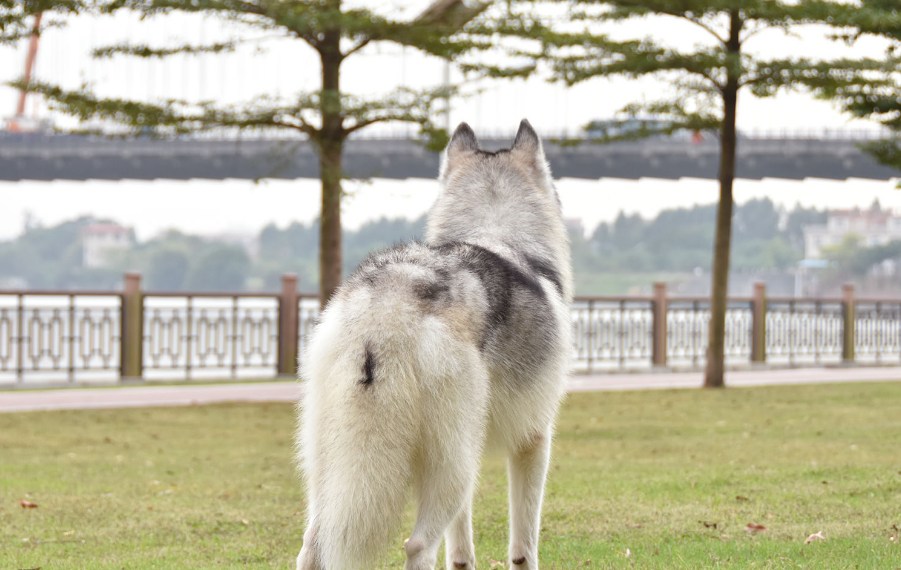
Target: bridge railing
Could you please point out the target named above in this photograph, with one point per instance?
(233, 135)
(66, 336)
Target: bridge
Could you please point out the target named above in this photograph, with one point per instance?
(71, 157)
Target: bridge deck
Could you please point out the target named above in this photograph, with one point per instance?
(68, 157)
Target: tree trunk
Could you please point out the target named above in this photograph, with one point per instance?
(713, 377)
(330, 222)
(331, 148)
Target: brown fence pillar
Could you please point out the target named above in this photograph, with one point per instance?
(659, 334)
(758, 323)
(287, 326)
(131, 347)
(849, 316)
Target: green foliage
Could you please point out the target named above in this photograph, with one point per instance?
(577, 49)
(800, 217)
(681, 240)
(677, 241)
(51, 258)
(167, 269)
(334, 32)
(852, 257)
(222, 268)
(878, 97)
(16, 16)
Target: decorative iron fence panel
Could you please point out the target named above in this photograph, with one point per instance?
(687, 330)
(307, 316)
(59, 336)
(803, 331)
(877, 332)
(74, 336)
(206, 336)
(612, 333)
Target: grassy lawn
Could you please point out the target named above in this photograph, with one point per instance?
(639, 480)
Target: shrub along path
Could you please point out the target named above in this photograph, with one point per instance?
(666, 479)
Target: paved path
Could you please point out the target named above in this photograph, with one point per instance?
(284, 391)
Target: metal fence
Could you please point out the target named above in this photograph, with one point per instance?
(63, 336)
(59, 335)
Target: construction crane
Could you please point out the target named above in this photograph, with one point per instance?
(19, 123)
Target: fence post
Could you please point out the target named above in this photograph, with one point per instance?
(131, 343)
(758, 323)
(659, 333)
(287, 326)
(849, 316)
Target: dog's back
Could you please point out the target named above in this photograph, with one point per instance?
(430, 348)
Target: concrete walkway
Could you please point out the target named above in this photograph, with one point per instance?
(285, 391)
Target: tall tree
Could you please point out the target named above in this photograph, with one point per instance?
(706, 80)
(327, 116)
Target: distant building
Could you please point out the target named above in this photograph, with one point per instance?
(102, 239)
(874, 226)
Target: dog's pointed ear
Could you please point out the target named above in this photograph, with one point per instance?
(527, 147)
(463, 139)
(526, 138)
(462, 142)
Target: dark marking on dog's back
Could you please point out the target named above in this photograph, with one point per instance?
(430, 291)
(500, 277)
(504, 282)
(368, 367)
(546, 270)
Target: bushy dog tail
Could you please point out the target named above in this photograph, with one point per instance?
(361, 429)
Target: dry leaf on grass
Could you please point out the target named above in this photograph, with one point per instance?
(815, 537)
(740, 498)
(494, 562)
(27, 504)
(754, 528)
(707, 524)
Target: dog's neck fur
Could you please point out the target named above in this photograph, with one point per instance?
(503, 201)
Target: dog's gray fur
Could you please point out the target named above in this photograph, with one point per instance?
(430, 350)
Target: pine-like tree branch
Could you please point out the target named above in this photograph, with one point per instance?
(145, 51)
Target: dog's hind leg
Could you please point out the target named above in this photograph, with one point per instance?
(308, 559)
(443, 494)
(459, 547)
(448, 467)
(527, 468)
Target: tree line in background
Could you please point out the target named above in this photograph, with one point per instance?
(53, 257)
(675, 244)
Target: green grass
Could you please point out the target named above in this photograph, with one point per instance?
(635, 477)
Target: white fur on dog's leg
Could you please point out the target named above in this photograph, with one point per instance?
(308, 559)
(527, 468)
(444, 490)
(459, 548)
(436, 511)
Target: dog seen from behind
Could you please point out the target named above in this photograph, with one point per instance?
(431, 351)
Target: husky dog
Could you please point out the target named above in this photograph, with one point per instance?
(428, 352)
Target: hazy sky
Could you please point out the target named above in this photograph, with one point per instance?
(280, 67)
